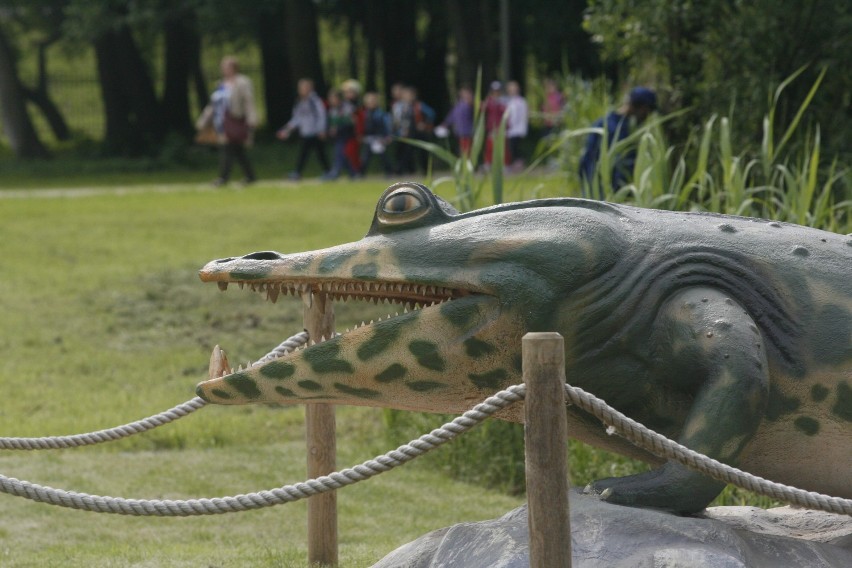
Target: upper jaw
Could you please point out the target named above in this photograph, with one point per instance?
(271, 272)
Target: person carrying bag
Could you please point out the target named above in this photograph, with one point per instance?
(232, 115)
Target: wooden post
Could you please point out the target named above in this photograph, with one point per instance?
(321, 437)
(545, 436)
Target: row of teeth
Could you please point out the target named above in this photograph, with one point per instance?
(376, 291)
(219, 366)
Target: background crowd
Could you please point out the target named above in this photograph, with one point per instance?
(360, 130)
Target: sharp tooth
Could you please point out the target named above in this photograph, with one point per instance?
(272, 294)
(218, 364)
(241, 285)
(222, 285)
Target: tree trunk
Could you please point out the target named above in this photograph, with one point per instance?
(278, 82)
(181, 37)
(16, 122)
(398, 39)
(433, 86)
(472, 27)
(302, 33)
(369, 23)
(134, 121)
(41, 98)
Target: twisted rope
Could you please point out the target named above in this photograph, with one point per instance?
(662, 447)
(269, 498)
(139, 426)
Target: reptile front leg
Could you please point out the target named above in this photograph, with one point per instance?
(707, 346)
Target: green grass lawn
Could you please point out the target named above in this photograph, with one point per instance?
(105, 321)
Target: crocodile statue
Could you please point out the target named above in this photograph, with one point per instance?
(730, 335)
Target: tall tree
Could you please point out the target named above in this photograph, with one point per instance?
(182, 54)
(135, 123)
(432, 82)
(302, 32)
(710, 68)
(474, 31)
(16, 122)
(278, 80)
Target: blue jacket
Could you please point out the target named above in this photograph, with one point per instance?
(617, 128)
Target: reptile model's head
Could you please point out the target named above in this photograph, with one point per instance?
(467, 287)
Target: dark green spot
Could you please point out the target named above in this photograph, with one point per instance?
(490, 380)
(843, 406)
(726, 228)
(807, 425)
(818, 393)
(382, 338)
(332, 261)
(323, 358)
(367, 271)
(237, 275)
(220, 394)
(779, 404)
(310, 385)
(285, 392)
(800, 251)
(425, 386)
(278, 370)
(244, 384)
(392, 373)
(458, 313)
(427, 354)
(356, 392)
(477, 348)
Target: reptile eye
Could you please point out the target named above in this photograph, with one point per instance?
(402, 201)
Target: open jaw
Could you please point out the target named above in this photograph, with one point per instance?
(390, 361)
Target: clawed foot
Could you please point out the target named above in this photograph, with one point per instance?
(671, 488)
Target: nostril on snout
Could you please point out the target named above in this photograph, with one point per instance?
(265, 255)
(224, 260)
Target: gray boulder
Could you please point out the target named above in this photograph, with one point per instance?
(607, 535)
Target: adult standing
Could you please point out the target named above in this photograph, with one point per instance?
(552, 107)
(518, 125)
(234, 117)
(311, 121)
(494, 106)
(640, 102)
(460, 120)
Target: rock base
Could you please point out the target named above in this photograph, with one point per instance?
(606, 535)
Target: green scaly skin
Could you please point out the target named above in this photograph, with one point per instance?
(731, 335)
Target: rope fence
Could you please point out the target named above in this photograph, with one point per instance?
(615, 422)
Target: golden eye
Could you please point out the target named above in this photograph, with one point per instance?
(402, 201)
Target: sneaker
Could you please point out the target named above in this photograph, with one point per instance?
(328, 176)
(295, 176)
(218, 182)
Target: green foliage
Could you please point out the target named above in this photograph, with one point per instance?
(715, 56)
